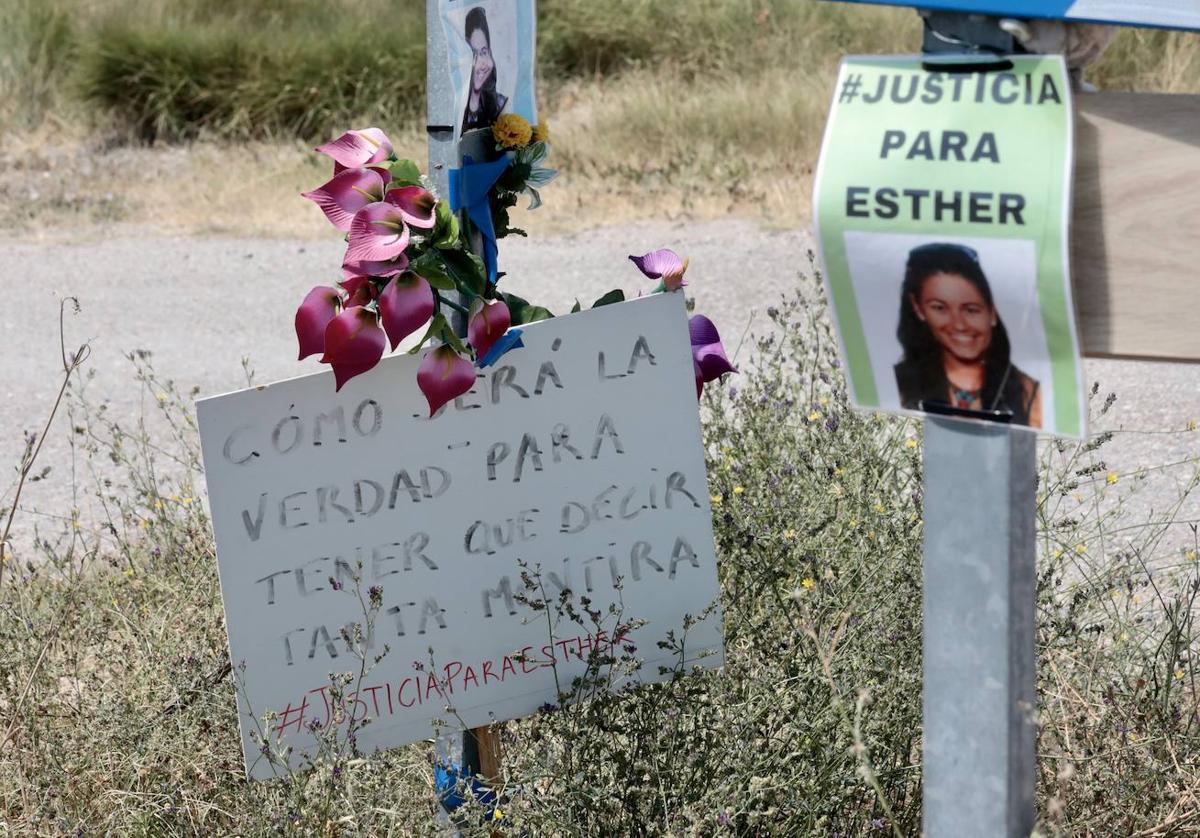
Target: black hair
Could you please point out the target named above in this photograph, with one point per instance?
(921, 374)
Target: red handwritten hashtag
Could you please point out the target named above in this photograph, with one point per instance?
(285, 717)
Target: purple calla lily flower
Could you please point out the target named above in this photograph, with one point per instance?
(489, 321)
(417, 205)
(320, 305)
(347, 192)
(665, 265)
(355, 149)
(404, 306)
(709, 360)
(377, 233)
(353, 344)
(443, 376)
(359, 291)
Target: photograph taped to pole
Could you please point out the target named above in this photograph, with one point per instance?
(555, 463)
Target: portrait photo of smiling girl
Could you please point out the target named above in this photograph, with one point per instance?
(954, 325)
(491, 52)
(956, 348)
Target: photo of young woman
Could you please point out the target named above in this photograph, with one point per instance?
(956, 349)
(484, 102)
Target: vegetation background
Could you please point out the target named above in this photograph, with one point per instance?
(116, 703)
(705, 107)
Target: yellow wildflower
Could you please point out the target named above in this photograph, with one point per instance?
(1112, 478)
(1191, 424)
(717, 498)
(808, 582)
(824, 401)
(910, 444)
(788, 535)
(158, 504)
(1179, 674)
(880, 508)
(541, 132)
(737, 490)
(1191, 555)
(1081, 548)
(1058, 552)
(512, 130)
(815, 416)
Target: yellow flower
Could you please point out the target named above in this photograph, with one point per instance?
(541, 132)
(824, 401)
(1112, 478)
(880, 508)
(788, 535)
(910, 444)
(1191, 555)
(1081, 549)
(808, 582)
(1179, 674)
(717, 498)
(815, 416)
(512, 130)
(1058, 552)
(1191, 424)
(737, 490)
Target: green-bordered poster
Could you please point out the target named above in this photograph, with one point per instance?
(941, 206)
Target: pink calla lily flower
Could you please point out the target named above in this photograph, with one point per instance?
(489, 321)
(353, 344)
(416, 204)
(320, 305)
(443, 376)
(355, 149)
(404, 306)
(665, 265)
(347, 192)
(709, 360)
(365, 267)
(377, 233)
(359, 291)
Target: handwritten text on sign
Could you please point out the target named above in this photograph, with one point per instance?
(579, 455)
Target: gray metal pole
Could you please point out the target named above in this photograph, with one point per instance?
(979, 621)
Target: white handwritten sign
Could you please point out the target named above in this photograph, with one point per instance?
(579, 456)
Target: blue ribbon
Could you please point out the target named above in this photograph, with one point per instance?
(470, 186)
(509, 340)
(447, 779)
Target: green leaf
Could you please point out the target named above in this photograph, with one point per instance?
(614, 296)
(452, 339)
(404, 173)
(446, 234)
(429, 265)
(576, 307)
(467, 270)
(532, 314)
(435, 327)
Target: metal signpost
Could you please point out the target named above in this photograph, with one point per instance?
(979, 668)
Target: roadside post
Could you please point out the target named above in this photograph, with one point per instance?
(481, 750)
(1137, 157)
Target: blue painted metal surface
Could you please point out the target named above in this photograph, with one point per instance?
(1167, 14)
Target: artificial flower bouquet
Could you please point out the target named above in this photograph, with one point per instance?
(407, 263)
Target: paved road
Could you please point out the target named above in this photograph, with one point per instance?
(201, 305)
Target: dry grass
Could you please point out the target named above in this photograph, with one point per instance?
(674, 130)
